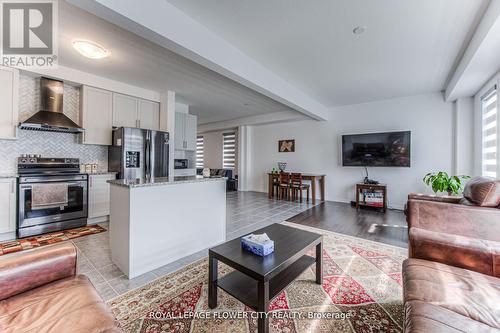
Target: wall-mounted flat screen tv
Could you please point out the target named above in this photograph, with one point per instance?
(390, 149)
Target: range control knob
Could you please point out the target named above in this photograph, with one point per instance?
(24, 160)
(32, 160)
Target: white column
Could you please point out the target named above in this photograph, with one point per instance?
(244, 157)
(167, 124)
(463, 137)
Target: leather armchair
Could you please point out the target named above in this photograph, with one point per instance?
(40, 292)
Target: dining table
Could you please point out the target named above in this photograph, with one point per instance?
(314, 178)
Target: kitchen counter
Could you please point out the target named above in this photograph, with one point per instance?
(163, 181)
(102, 173)
(154, 222)
(8, 175)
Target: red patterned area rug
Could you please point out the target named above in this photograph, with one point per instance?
(361, 292)
(47, 239)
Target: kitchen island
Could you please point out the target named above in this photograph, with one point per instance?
(154, 222)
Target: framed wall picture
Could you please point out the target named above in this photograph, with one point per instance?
(286, 146)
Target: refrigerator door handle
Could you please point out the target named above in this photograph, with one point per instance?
(148, 155)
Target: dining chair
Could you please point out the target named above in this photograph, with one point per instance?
(284, 185)
(275, 184)
(296, 186)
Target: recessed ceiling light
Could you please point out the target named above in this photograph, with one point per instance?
(359, 30)
(90, 49)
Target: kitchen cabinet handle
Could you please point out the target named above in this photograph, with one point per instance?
(13, 187)
(91, 182)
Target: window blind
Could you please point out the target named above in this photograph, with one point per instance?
(199, 151)
(489, 106)
(229, 150)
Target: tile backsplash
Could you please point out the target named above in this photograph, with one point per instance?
(48, 144)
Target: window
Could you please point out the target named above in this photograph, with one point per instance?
(229, 150)
(199, 151)
(489, 113)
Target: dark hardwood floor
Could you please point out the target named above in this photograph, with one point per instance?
(389, 228)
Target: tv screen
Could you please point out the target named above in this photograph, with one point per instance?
(391, 149)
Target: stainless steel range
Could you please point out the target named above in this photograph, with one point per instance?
(52, 195)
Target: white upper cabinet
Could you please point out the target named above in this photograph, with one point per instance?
(149, 115)
(96, 116)
(180, 127)
(185, 131)
(125, 111)
(9, 99)
(7, 205)
(190, 133)
(129, 111)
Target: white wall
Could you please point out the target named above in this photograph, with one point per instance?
(212, 150)
(464, 136)
(318, 145)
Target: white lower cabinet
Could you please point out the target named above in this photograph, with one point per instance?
(7, 205)
(99, 195)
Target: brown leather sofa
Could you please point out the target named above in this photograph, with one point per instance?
(40, 292)
(451, 280)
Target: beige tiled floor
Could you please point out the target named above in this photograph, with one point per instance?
(246, 212)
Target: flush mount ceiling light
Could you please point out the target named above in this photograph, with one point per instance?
(359, 30)
(90, 49)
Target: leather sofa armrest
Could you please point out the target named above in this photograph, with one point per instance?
(478, 255)
(26, 270)
(435, 198)
(470, 221)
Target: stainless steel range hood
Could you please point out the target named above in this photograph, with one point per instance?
(51, 117)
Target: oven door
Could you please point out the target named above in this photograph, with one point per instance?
(77, 201)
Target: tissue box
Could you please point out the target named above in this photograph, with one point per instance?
(260, 249)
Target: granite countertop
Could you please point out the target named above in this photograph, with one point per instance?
(162, 181)
(101, 173)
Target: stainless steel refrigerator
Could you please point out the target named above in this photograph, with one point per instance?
(138, 153)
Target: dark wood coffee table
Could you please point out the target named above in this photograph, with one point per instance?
(257, 280)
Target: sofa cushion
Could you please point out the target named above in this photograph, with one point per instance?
(67, 305)
(449, 298)
(483, 191)
(425, 317)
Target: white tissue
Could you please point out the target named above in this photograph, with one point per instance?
(259, 239)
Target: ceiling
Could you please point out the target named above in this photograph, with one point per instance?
(409, 47)
(136, 61)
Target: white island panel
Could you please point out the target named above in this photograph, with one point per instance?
(165, 223)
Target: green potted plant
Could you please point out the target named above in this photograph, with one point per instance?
(442, 182)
